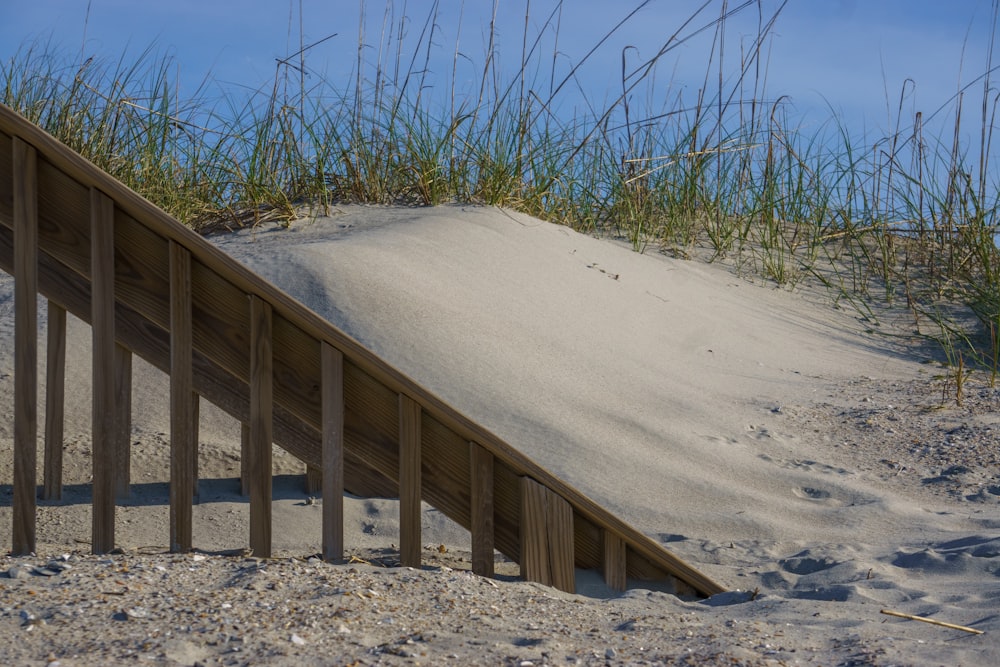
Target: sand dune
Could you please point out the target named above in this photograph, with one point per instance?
(760, 433)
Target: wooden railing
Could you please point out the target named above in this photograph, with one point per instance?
(150, 286)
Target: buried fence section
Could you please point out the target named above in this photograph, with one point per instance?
(288, 376)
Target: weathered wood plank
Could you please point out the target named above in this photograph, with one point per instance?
(481, 491)
(332, 475)
(534, 541)
(7, 181)
(296, 365)
(371, 416)
(142, 269)
(445, 470)
(562, 561)
(102, 280)
(614, 562)
(123, 421)
(507, 509)
(261, 406)
(183, 448)
(588, 542)
(25, 204)
(409, 481)
(220, 316)
(547, 537)
(64, 217)
(55, 401)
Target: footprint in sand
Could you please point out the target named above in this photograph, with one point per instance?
(817, 495)
(806, 464)
(805, 563)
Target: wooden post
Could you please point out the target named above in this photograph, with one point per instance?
(260, 426)
(546, 537)
(182, 409)
(102, 285)
(534, 542)
(332, 388)
(614, 561)
(24, 503)
(481, 475)
(123, 421)
(55, 393)
(409, 481)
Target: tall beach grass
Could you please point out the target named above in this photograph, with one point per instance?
(908, 220)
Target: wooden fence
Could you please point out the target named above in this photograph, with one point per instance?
(150, 286)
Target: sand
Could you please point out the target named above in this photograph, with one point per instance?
(799, 454)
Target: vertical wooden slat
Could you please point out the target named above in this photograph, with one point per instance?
(614, 561)
(244, 459)
(102, 274)
(55, 394)
(332, 387)
(534, 542)
(409, 481)
(25, 346)
(261, 393)
(195, 425)
(562, 559)
(123, 421)
(182, 431)
(313, 480)
(546, 537)
(481, 475)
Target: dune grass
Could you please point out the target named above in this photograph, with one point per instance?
(907, 221)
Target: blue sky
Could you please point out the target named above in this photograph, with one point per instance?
(848, 54)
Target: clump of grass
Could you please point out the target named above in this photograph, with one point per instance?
(906, 219)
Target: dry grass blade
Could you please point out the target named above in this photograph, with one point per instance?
(907, 216)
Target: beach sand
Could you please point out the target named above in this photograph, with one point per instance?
(809, 459)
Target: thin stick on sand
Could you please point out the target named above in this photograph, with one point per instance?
(932, 621)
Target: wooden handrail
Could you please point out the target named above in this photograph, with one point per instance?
(141, 278)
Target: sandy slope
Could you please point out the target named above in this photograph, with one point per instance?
(759, 433)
